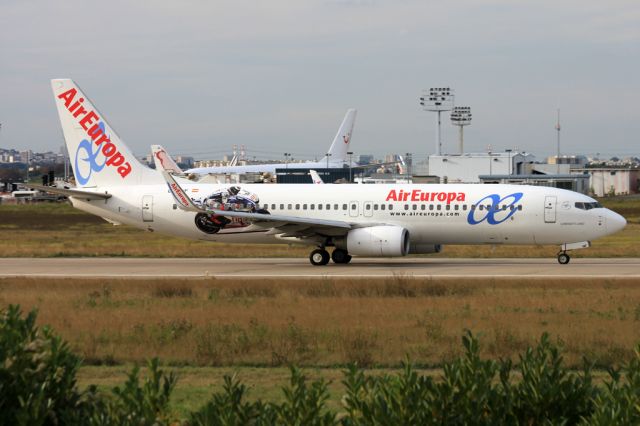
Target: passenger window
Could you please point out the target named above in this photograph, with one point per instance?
(335, 207)
(312, 206)
(273, 206)
(281, 206)
(439, 207)
(415, 207)
(520, 207)
(297, 206)
(464, 207)
(512, 207)
(447, 207)
(504, 207)
(473, 207)
(319, 206)
(480, 207)
(430, 206)
(354, 206)
(375, 207)
(406, 206)
(367, 206)
(304, 207)
(382, 206)
(328, 206)
(344, 207)
(456, 207)
(390, 206)
(423, 207)
(289, 206)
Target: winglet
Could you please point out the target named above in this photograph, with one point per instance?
(315, 177)
(163, 160)
(181, 197)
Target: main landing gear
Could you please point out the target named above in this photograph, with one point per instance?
(320, 257)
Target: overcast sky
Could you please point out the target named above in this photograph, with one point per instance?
(278, 76)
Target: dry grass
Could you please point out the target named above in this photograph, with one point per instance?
(49, 230)
(327, 322)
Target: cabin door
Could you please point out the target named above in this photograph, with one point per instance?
(147, 208)
(550, 209)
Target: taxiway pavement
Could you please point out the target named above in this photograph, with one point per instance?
(285, 267)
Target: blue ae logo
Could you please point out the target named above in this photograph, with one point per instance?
(497, 211)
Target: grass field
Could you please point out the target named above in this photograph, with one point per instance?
(327, 323)
(203, 329)
(50, 230)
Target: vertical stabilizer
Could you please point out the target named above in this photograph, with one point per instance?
(97, 154)
(340, 145)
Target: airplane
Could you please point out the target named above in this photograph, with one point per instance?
(337, 155)
(354, 220)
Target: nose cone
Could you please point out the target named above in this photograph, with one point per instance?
(615, 222)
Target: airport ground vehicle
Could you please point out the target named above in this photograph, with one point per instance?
(361, 220)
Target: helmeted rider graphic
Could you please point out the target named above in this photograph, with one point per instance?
(232, 198)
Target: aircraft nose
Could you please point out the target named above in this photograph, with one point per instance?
(615, 222)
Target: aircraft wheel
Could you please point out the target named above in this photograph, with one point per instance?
(340, 256)
(319, 257)
(563, 258)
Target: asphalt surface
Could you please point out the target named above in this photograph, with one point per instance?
(279, 267)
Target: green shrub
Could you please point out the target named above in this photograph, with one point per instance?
(37, 373)
(38, 387)
(137, 405)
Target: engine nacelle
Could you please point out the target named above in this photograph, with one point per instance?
(420, 248)
(378, 241)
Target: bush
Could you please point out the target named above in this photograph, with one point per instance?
(37, 373)
(38, 387)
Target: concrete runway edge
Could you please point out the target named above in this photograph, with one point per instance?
(287, 268)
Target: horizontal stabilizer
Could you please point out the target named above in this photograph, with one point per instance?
(69, 192)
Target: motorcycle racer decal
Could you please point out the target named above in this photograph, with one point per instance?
(232, 198)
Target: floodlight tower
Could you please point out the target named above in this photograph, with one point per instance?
(558, 152)
(437, 99)
(461, 116)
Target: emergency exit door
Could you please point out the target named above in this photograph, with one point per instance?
(147, 208)
(550, 209)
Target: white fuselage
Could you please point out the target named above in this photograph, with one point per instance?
(433, 214)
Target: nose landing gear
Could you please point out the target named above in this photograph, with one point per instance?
(563, 258)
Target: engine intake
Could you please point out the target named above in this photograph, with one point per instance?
(378, 241)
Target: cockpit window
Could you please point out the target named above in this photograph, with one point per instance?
(588, 206)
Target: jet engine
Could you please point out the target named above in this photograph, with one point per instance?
(420, 248)
(377, 241)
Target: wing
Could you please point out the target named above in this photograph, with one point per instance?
(70, 192)
(283, 225)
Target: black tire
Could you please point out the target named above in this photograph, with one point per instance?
(205, 224)
(319, 257)
(340, 256)
(563, 258)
